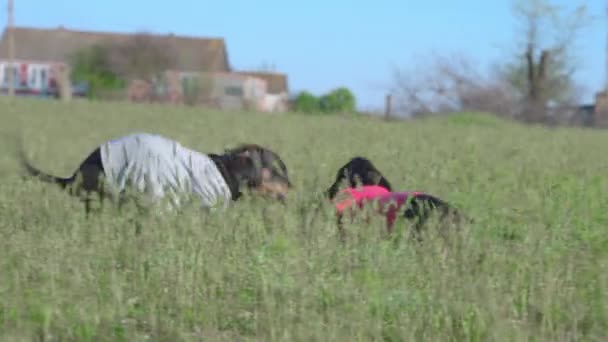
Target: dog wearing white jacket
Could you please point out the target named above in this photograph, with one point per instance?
(161, 167)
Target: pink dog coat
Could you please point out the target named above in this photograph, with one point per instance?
(389, 203)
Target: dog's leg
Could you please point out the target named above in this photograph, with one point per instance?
(92, 173)
(86, 177)
(90, 183)
(412, 213)
(341, 230)
(101, 194)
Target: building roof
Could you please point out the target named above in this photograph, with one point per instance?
(58, 45)
(277, 83)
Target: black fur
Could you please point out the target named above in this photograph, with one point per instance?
(90, 172)
(235, 171)
(422, 206)
(358, 169)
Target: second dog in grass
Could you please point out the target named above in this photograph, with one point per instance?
(359, 182)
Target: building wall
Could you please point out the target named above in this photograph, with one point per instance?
(236, 92)
(229, 91)
(275, 103)
(34, 77)
(254, 89)
(31, 77)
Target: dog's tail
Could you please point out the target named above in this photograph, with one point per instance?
(423, 203)
(35, 172)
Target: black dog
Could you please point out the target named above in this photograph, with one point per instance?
(356, 171)
(361, 171)
(232, 171)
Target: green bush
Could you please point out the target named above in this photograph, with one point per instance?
(339, 100)
(306, 102)
(90, 66)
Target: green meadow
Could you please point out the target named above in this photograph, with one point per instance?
(533, 265)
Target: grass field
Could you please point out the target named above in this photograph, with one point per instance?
(533, 266)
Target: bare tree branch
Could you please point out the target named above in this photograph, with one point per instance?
(450, 84)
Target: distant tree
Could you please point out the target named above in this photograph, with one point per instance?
(338, 100)
(90, 65)
(544, 66)
(305, 102)
(451, 83)
(540, 73)
(142, 56)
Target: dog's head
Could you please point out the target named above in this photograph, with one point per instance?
(358, 170)
(259, 169)
(265, 156)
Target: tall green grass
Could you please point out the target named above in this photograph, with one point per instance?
(533, 266)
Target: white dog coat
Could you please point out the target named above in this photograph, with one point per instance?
(159, 166)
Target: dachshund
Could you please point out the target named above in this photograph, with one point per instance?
(156, 164)
(365, 183)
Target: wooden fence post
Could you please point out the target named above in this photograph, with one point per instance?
(387, 107)
(65, 84)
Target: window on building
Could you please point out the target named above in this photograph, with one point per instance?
(233, 91)
(33, 74)
(23, 77)
(43, 81)
(8, 69)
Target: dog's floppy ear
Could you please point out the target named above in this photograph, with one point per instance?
(242, 161)
(272, 158)
(243, 152)
(385, 184)
(256, 159)
(264, 160)
(341, 175)
(268, 158)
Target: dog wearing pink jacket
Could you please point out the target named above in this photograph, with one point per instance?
(363, 188)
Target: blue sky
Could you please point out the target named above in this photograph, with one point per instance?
(325, 44)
